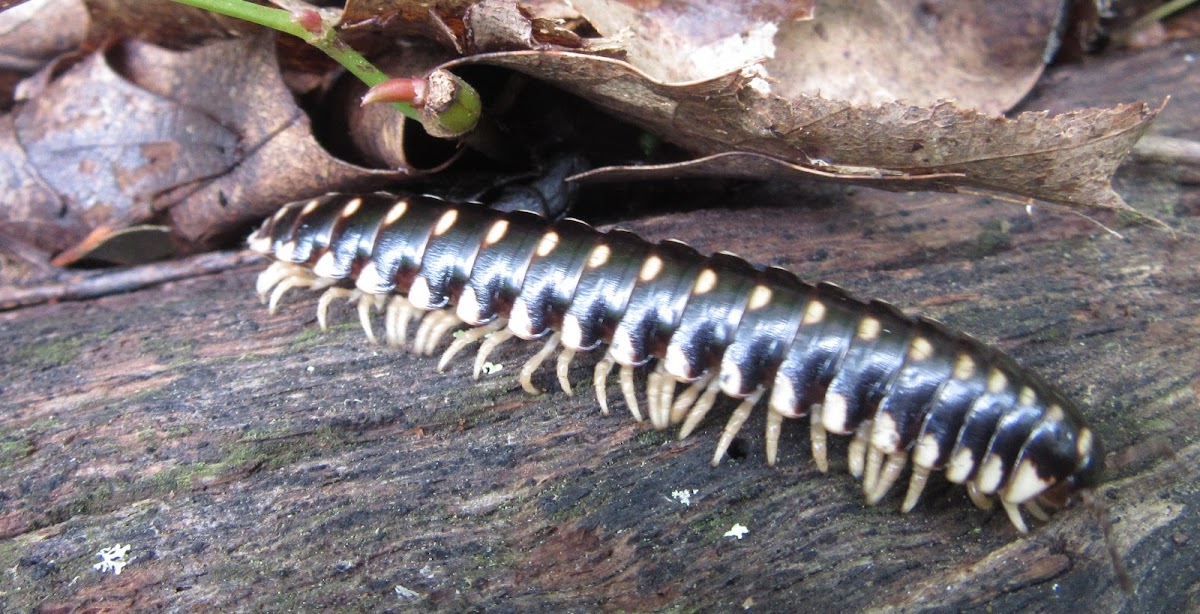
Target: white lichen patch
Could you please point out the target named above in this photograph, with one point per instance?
(683, 496)
(739, 531)
(112, 559)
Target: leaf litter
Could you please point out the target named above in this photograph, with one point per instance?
(893, 94)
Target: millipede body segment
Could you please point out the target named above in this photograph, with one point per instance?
(907, 390)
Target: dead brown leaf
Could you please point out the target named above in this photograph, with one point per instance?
(983, 54)
(26, 44)
(1066, 159)
(93, 149)
(98, 148)
(466, 26)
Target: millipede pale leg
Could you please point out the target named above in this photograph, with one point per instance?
(818, 437)
(1036, 510)
(323, 303)
(1014, 516)
(916, 485)
(774, 428)
(439, 331)
(630, 391)
(871, 473)
(536, 361)
(269, 278)
(467, 338)
(687, 398)
(857, 453)
(600, 381)
(887, 478)
(399, 312)
(563, 370)
(653, 384)
(700, 409)
(489, 344)
(735, 424)
(666, 398)
(365, 303)
(425, 330)
(660, 390)
(294, 281)
(977, 497)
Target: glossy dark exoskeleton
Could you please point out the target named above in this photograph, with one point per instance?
(907, 390)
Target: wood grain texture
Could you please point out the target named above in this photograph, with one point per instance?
(253, 463)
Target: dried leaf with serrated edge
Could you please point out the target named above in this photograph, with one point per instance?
(1066, 159)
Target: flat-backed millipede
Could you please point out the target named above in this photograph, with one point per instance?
(905, 388)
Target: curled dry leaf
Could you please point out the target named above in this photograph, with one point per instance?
(981, 53)
(26, 44)
(466, 26)
(1066, 159)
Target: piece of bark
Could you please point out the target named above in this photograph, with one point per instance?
(252, 463)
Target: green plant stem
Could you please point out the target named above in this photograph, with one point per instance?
(1160, 13)
(326, 40)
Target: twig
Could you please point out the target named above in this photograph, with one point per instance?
(103, 283)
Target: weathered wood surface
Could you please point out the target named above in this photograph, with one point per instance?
(254, 464)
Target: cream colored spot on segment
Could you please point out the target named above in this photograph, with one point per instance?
(286, 251)
(467, 308)
(990, 474)
(351, 207)
(260, 243)
(1025, 484)
(279, 214)
(496, 232)
(599, 256)
(418, 294)
(1027, 396)
(676, 362)
(325, 265)
(833, 413)
(705, 282)
(759, 297)
(960, 466)
(547, 244)
(868, 329)
(920, 349)
(964, 367)
(1054, 413)
(1083, 447)
(369, 280)
(731, 380)
(650, 268)
(814, 312)
(396, 212)
(926, 452)
(519, 320)
(783, 397)
(997, 381)
(621, 348)
(572, 332)
(310, 206)
(884, 435)
(446, 222)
